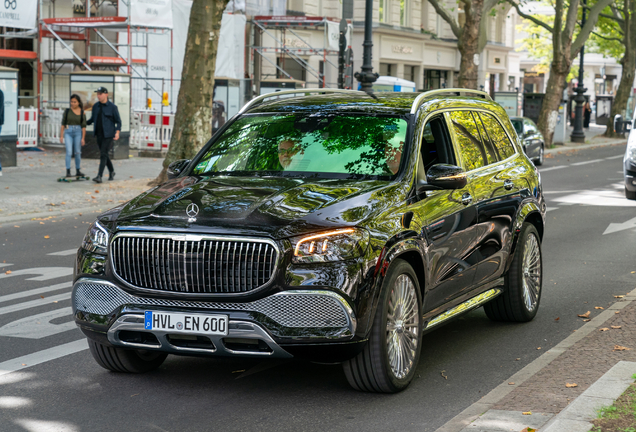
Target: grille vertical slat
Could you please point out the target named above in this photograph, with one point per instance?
(193, 266)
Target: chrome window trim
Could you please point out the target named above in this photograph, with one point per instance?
(194, 238)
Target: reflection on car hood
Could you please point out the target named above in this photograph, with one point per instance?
(278, 207)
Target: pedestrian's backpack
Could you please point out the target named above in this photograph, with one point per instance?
(65, 118)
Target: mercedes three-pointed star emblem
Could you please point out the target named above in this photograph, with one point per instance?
(192, 211)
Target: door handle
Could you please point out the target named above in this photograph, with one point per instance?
(467, 198)
(508, 184)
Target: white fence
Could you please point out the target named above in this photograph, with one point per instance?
(51, 125)
(151, 131)
(27, 127)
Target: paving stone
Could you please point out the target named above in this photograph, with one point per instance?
(563, 425)
(505, 421)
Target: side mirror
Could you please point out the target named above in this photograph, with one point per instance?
(443, 176)
(176, 167)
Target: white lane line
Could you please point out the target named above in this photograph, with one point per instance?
(39, 326)
(36, 291)
(587, 162)
(64, 252)
(34, 303)
(7, 264)
(551, 208)
(561, 192)
(614, 157)
(553, 168)
(45, 273)
(43, 356)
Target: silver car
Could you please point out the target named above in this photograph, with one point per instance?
(629, 161)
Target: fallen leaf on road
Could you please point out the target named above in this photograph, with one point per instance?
(96, 191)
(46, 237)
(511, 383)
(8, 272)
(41, 296)
(617, 312)
(517, 359)
(529, 429)
(538, 348)
(527, 413)
(16, 226)
(23, 364)
(136, 394)
(598, 307)
(585, 315)
(604, 329)
(615, 327)
(568, 385)
(41, 223)
(442, 372)
(557, 318)
(620, 348)
(93, 197)
(619, 296)
(586, 320)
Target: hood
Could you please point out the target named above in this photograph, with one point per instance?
(277, 207)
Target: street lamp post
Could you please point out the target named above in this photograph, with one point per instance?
(577, 134)
(367, 77)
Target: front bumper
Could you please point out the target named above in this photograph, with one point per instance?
(259, 328)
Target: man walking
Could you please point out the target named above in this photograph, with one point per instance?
(105, 116)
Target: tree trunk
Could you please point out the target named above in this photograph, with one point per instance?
(193, 120)
(629, 70)
(554, 92)
(468, 45)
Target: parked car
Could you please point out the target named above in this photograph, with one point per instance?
(336, 227)
(531, 137)
(629, 161)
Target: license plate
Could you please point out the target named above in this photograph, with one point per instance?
(186, 323)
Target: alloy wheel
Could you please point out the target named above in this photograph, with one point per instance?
(402, 326)
(531, 272)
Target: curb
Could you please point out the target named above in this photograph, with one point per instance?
(461, 421)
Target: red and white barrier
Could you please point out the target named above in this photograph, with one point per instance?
(151, 131)
(27, 127)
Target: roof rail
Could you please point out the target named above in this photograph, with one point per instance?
(451, 92)
(261, 98)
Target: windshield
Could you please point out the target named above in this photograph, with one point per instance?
(518, 125)
(340, 146)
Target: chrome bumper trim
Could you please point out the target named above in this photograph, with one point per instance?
(236, 329)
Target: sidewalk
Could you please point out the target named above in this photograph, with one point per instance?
(31, 190)
(593, 138)
(538, 396)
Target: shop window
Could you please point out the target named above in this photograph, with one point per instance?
(409, 73)
(387, 69)
(435, 79)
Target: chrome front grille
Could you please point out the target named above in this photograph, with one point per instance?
(193, 263)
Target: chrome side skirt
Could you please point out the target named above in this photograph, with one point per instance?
(468, 305)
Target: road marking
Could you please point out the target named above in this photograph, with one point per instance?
(551, 208)
(587, 162)
(605, 198)
(614, 157)
(45, 273)
(553, 168)
(561, 192)
(5, 265)
(43, 356)
(39, 326)
(36, 291)
(34, 303)
(616, 227)
(31, 425)
(64, 252)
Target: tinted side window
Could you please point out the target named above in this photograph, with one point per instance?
(498, 136)
(491, 150)
(469, 142)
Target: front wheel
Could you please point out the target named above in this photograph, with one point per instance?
(388, 361)
(539, 160)
(522, 292)
(122, 360)
(630, 195)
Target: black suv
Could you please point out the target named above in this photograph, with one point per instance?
(335, 227)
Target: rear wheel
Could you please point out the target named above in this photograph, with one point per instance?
(630, 195)
(123, 360)
(522, 292)
(388, 361)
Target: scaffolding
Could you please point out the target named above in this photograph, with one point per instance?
(277, 28)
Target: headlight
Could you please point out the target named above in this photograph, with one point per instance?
(96, 239)
(336, 245)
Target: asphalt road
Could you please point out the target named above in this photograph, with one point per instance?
(462, 361)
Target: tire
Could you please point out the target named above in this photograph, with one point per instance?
(522, 288)
(126, 361)
(630, 195)
(539, 161)
(376, 368)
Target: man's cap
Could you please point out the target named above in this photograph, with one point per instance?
(101, 90)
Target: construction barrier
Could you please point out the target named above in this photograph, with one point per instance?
(51, 125)
(153, 132)
(27, 127)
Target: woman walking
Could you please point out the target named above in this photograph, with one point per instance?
(587, 113)
(73, 134)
